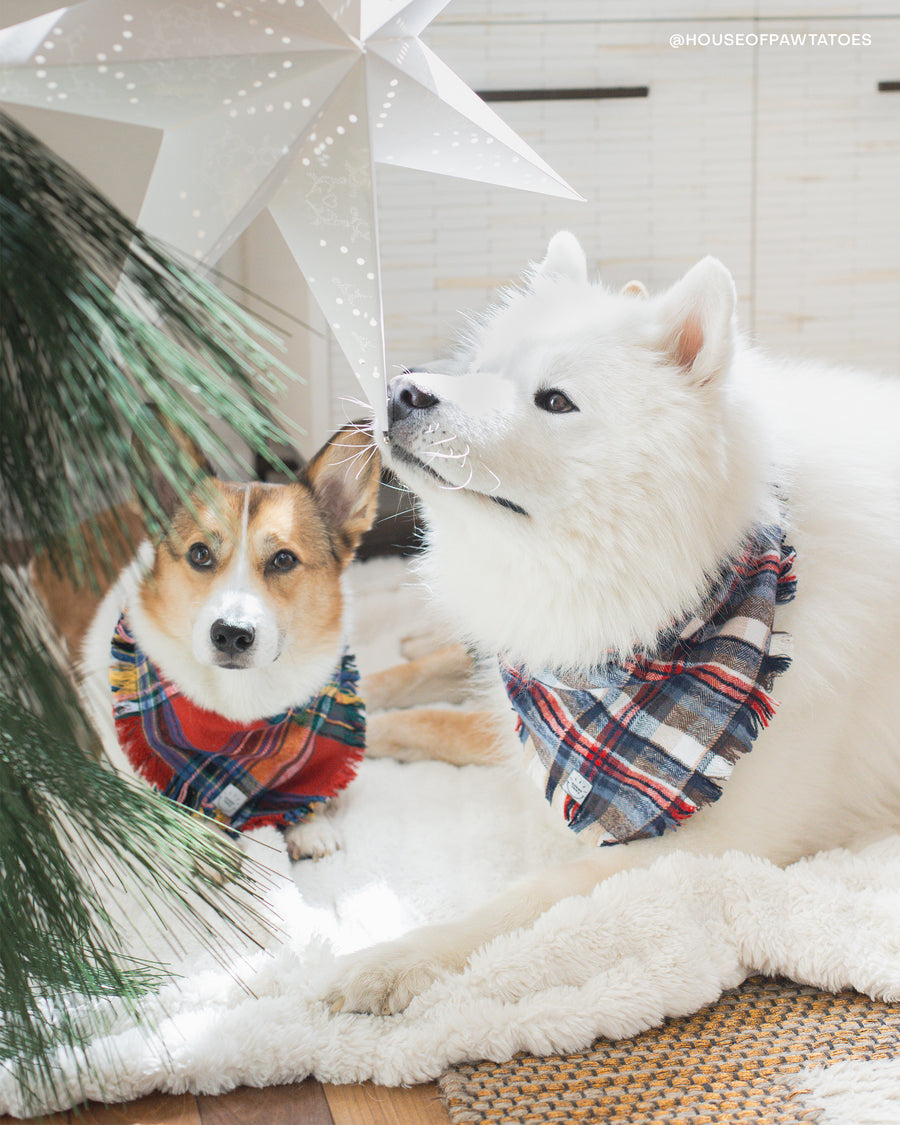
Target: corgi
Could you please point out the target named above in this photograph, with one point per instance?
(215, 667)
(680, 554)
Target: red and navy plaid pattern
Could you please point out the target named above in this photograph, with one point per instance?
(636, 746)
(273, 771)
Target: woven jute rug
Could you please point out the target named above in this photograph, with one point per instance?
(737, 1060)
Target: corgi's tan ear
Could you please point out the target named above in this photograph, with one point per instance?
(697, 321)
(344, 477)
(564, 258)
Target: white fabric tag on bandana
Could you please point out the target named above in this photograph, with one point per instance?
(577, 786)
(230, 800)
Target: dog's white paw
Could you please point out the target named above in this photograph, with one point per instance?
(312, 839)
(382, 980)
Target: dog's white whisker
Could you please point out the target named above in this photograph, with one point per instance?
(358, 451)
(357, 426)
(393, 487)
(370, 453)
(494, 487)
(445, 456)
(359, 463)
(459, 487)
(350, 460)
(350, 399)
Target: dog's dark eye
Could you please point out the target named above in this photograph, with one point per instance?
(554, 402)
(284, 560)
(200, 556)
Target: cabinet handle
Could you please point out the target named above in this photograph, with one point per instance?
(889, 87)
(575, 93)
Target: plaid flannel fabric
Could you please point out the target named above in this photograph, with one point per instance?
(273, 771)
(635, 747)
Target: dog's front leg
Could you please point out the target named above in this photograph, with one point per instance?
(461, 738)
(384, 978)
(443, 676)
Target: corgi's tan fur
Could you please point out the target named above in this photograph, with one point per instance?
(242, 603)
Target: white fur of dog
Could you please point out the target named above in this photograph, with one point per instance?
(561, 528)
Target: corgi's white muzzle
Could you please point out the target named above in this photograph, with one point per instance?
(236, 629)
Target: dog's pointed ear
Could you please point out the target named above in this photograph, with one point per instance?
(564, 259)
(697, 321)
(344, 477)
(635, 289)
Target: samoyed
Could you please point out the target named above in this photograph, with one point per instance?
(685, 554)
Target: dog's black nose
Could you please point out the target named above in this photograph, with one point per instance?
(234, 640)
(404, 397)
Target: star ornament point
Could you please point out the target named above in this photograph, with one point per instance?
(285, 104)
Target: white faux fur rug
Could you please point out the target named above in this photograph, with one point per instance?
(424, 841)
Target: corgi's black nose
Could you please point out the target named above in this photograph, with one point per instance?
(234, 640)
(404, 397)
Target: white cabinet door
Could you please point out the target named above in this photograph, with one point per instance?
(827, 273)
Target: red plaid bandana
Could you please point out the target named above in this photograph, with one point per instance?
(273, 771)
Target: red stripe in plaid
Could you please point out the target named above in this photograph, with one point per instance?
(560, 724)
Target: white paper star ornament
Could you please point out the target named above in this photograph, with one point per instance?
(278, 103)
(325, 210)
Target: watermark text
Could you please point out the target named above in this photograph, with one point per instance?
(807, 39)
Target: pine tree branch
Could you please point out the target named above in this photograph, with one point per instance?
(96, 322)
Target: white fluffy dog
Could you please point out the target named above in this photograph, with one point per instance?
(593, 469)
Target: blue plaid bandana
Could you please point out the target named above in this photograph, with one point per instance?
(634, 747)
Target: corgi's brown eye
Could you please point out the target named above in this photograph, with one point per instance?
(284, 560)
(555, 402)
(200, 556)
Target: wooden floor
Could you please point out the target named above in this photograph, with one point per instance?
(307, 1103)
